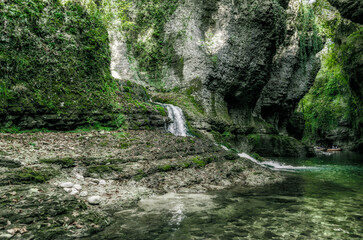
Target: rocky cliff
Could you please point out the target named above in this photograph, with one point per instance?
(350, 9)
(246, 64)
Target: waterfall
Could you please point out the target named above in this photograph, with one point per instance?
(178, 126)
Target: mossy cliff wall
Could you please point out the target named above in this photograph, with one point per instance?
(333, 106)
(54, 65)
(246, 64)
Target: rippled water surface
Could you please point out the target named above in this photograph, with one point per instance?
(323, 202)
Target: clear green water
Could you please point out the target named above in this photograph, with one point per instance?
(325, 202)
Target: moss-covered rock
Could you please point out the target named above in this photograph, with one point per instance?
(64, 162)
(46, 213)
(54, 65)
(27, 176)
(333, 107)
(9, 163)
(268, 145)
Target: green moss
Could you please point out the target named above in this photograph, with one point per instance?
(254, 138)
(186, 165)
(331, 100)
(103, 169)
(64, 162)
(257, 157)
(310, 41)
(54, 59)
(29, 176)
(165, 168)
(198, 161)
(147, 40)
(161, 110)
(231, 156)
(140, 175)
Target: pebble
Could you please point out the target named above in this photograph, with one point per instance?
(102, 182)
(74, 191)
(94, 200)
(93, 180)
(66, 185)
(79, 177)
(68, 190)
(77, 186)
(83, 194)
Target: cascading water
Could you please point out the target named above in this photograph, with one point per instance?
(178, 126)
(275, 165)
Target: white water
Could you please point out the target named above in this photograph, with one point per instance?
(275, 165)
(178, 126)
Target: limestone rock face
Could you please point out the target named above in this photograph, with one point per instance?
(228, 55)
(290, 79)
(239, 60)
(350, 9)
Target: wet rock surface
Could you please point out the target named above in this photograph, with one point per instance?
(67, 181)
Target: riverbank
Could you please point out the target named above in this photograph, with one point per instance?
(62, 185)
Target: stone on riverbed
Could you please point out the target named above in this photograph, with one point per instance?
(94, 200)
(66, 185)
(74, 191)
(83, 194)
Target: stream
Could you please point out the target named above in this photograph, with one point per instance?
(323, 200)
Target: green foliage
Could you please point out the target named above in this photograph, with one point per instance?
(146, 40)
(310, 41)
(119, 121)
(327, 20)
(53, 58)
(330, 100)
(198, 161)
(161, 110)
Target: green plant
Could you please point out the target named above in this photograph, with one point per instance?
(146, 40)
(310, 41)
(165, 168)
(330, 100)
(198, 161)
(119, 121)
